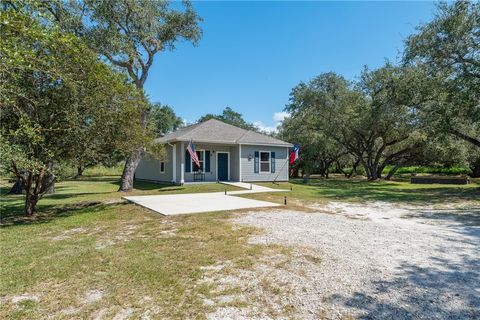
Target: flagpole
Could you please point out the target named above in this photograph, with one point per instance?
(288, 161)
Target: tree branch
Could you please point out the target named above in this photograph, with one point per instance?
(461, 135)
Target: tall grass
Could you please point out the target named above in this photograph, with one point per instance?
(432, 170)
(105, 171)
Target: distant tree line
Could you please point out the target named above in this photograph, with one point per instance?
(232, 117)
(425, 110)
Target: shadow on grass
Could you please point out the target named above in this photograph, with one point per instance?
(12, 206)
(387, 191)
(48, 213)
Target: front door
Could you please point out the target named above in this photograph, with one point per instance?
(222, 169)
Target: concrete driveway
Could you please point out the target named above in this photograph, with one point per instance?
(174, 204)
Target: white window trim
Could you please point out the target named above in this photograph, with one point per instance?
(204, 161)
(164, 164)
(216, 164)
(260, 162)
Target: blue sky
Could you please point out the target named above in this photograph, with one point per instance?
(253, 53)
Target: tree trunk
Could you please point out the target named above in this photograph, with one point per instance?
(340, 169)
(475, 167)
(392, 171)
(18, 186)
(322, 169)
(306, 176)
(48, 186)
(126, 182)
(79, 172)
(30, 204)
(372, 171)
(354, 169)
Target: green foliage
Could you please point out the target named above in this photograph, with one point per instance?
(432, 170)
(318, 150)
(128, 34)
(115, 170)
(60, 102)
(448, 48)
(163, 120)
(231, 117)
(373, 119)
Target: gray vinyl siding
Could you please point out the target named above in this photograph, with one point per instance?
(149, 167)
(214, 149)
(234, 163)
(281, 164)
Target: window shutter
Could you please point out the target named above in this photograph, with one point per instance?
(256, 162)
(207, 160)
(187, 161)
(272, 164)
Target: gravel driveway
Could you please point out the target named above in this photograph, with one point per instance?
(375, 260)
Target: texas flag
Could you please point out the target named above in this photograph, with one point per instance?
(294, 153)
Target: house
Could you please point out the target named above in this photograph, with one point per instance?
(226, 153)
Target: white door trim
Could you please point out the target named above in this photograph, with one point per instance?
(216, 165)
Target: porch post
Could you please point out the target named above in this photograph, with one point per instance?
(288, 164)
(182, 164)
(174, 159)
(240, 163)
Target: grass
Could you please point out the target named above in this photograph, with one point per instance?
(87, 254)
(102, 257)
(431, 170)
(71, 194)
(340, 189)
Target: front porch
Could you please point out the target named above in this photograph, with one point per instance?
(218, 162)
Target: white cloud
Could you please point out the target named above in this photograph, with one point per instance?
(279, 116)
(260, 125)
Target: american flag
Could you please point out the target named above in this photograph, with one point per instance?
(193, 154)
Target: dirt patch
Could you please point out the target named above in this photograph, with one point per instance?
(108, 239)
(93, 296)
(25, 297)
(69, 233)
(123, 314)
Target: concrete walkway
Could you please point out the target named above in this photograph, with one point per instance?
(203, 202)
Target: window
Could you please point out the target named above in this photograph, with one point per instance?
(201, 158)
(162, 166)
(264, 161)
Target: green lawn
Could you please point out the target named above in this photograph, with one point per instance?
(340, 189)
(89, 190)
(87, 253)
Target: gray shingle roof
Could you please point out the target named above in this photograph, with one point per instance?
(215, 131)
